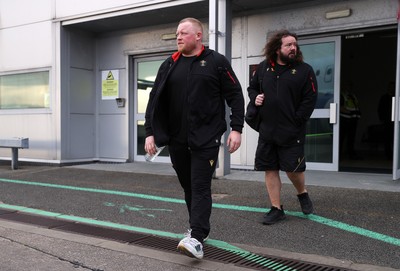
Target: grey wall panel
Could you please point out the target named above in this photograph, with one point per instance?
(82, 95)
(113, 137)
(82, 137)
(82, 48)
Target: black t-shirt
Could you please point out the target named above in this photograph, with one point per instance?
(177, 88)
(280, 68)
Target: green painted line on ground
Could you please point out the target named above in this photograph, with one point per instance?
(315, 218)
(94, 190)
(354, 229)
(216, 243)
(86, 220)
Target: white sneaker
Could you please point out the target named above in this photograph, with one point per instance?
(188, 233)
(191, 247)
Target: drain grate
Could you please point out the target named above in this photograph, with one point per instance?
(36, 220)
(106, 233)
(241, 259)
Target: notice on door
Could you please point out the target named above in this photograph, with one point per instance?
(109, 84)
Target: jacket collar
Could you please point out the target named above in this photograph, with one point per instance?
(176, 55)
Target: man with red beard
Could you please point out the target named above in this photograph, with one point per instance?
(285, 93)
(186, 111)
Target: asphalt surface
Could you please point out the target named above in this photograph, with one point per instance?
(353, 228)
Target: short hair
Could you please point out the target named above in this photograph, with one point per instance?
(193, 21)
(275, 43)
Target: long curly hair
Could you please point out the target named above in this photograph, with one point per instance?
(275, 42)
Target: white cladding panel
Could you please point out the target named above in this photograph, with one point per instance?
(26, 47)
(38, 127)
(65, 8)
(21, 12)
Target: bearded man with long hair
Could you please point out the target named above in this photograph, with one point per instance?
(285, 92)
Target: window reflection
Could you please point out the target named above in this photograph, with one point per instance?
(146, 76)
(321, 57)
(319, 140)
(25, 90)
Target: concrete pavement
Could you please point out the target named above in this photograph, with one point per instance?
(26, 247)
(29, 247)
(367, 181)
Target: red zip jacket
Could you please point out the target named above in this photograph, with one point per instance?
(211, 82)
(289, 100)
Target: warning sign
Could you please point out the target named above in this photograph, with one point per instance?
(110, 76)
(109, 84)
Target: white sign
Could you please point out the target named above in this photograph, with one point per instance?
(109, 84)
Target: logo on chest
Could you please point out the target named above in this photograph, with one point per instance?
(203, 63)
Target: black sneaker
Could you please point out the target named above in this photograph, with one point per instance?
(305, 203)
(273, 216)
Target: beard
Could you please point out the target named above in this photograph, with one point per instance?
(288, 59)
(186, 48)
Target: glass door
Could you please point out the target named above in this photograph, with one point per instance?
(322, 139)
(145, 72)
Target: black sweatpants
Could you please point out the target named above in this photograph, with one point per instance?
(195, 169)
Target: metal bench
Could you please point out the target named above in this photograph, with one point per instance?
(14, 143)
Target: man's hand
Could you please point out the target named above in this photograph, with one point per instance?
(150, 146)
(259, 99)
(234, 141)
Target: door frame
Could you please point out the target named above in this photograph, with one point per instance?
(134, 115)
(331, 113)
(396, 145)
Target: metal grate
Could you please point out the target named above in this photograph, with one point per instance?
(243, 259)
(5, 211)
(106, 233)
(36, 220)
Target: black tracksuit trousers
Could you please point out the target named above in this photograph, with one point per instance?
(195, 169)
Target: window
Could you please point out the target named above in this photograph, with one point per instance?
(24, 90)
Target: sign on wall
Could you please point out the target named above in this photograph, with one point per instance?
(109, 84)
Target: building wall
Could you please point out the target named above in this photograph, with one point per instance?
(80, 125)
(77, 8)
(27, 44)
(20, 12)
(79, 133)
(113, 122)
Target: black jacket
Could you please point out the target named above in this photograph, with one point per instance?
(289, 100)
(211, 82)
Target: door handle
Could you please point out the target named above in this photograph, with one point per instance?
(332, 113)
